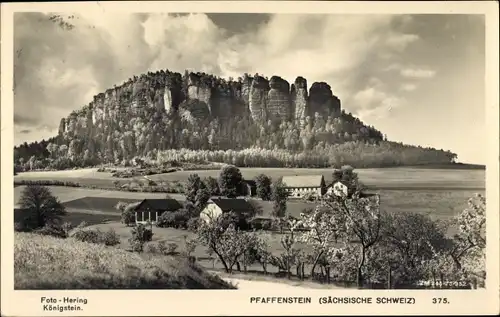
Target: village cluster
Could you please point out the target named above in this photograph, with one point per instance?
(298, 187)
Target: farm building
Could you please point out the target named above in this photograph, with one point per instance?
(151, 209)
(339, 188)
(305, 185)
(218, 206)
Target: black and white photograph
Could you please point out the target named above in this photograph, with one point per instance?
(249, 151)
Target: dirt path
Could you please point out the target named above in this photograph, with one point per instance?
(242, 282)
(261, 285)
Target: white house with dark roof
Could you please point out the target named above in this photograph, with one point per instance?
(301, 185)
(338, 188)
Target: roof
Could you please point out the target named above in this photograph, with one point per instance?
(340, 181)
(161, 204)
(229, 204)
(303, 181)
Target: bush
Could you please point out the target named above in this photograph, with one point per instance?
(109, 238)
(193, 224)
(165, 220)
(89, 236)
(174, 187)
(162, 247)
(151, 248)
(177, 219)
(128, 216)
(52, 230)
(20, 227)
(45, 183)
(67, 227)
(140, 235)
(82, 224)
(136, 246)
(190, 245)
(261, 224)
(171, 248)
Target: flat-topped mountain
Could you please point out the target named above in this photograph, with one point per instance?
(166, 110)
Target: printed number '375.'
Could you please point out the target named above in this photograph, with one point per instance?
(440, 300)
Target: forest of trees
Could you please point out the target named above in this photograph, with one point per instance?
(112, 130)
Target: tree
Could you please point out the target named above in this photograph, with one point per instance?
(410, 240)
(41, 206)
(336, 175)
(468, 251)
(279, 197)
(325, 227)
(227, 243)
(363, 221)
(288, 258)
(212, 186)
(230, 181)
(263, 253)
(192, 186)
(202, 197)
(140, 235)
(263, 183)
(127, 212)
(347, 176)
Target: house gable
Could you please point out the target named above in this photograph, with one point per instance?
(210, 212)
(339, 188)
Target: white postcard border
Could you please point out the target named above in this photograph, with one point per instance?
(218, 302)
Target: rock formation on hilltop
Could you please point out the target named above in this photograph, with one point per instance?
(299, 98)
(163, 110)
(152, 114)
(278, 107)
(322, 101)
(198, 97)
(257, 98)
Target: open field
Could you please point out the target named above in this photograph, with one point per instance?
(66, 194)
(441, 204)
(42, 262)
(394, 178)
(381, 178)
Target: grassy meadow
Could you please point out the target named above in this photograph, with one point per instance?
(381, 178)
(43, 262)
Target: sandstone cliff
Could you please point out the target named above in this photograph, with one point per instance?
(199, 98)
(299, 97)
(278, 106)
(257, 99)
(322, 101)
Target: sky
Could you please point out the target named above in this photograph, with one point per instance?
(417, 78)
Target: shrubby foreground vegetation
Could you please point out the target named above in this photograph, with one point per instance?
(349, 241)
(44, 262)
